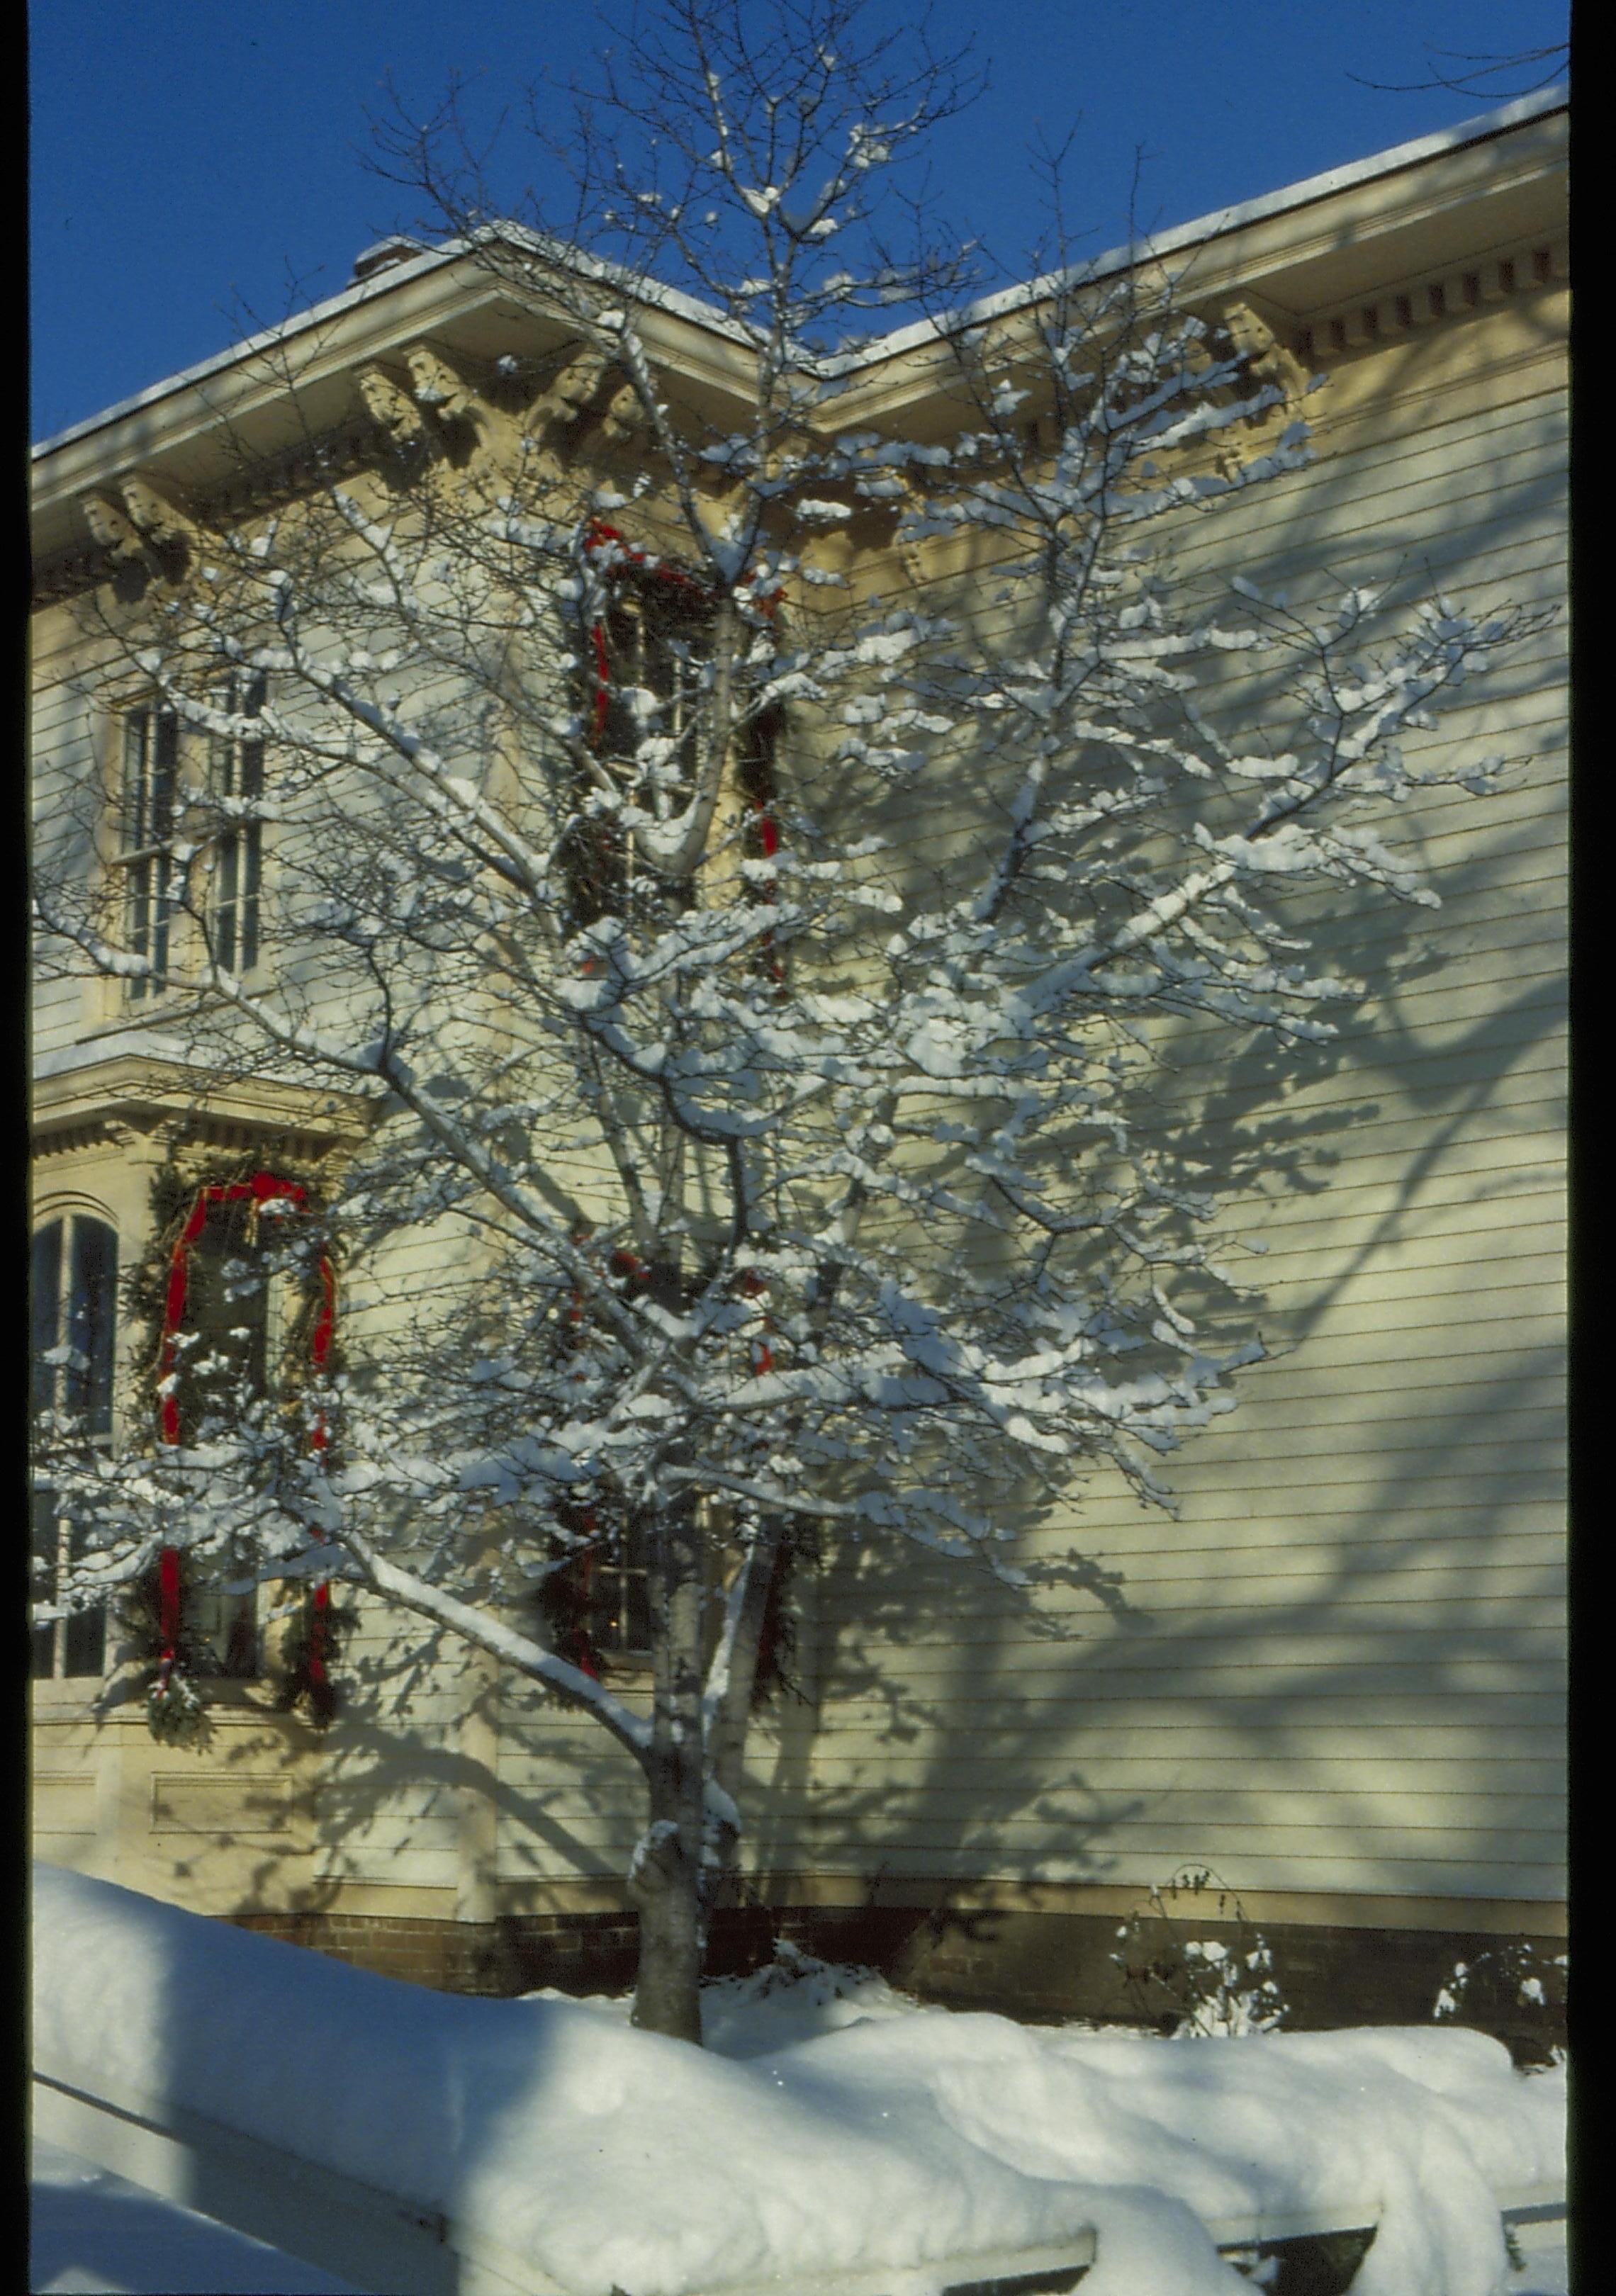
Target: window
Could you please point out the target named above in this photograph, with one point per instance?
(237, 778)
(74, 1284)
(150, 783)
(652, 645)
(649, 652)
(161, 788)
(596, 1605)
(617, 1601)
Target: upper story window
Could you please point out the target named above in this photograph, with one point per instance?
(74, 1318)
(236, 776)
(648, 653)
(205, 790)
(650, 647)
(150, 807)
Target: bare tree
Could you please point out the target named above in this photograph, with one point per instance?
(739, 1175)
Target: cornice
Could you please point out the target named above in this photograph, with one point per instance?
(143, 1090)
(1311, 260)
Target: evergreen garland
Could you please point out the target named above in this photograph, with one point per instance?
(777, 1630)
(175, 1188)
(313, 1647)
(176, 1706)
(562, 1601)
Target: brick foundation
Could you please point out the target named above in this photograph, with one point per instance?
(1038, 1967)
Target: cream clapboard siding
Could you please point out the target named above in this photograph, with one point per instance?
(572, 1804)
(263, 1812)
(63, 756)
(1340, 1670)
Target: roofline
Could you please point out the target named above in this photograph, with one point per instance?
(1195, 232)
(650, 291)
(1220, 221)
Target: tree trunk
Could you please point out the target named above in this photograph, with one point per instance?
(727, 1726)
(665, 1877)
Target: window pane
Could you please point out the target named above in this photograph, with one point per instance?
(637, 1625)
(87, 1643)
(225, 928)
(42, 1552)
(150, 787)
(162, 902)
(93, 1314)
(227, 1317)
(136, 732)
(226, 1327)
(251, 863)
(238, 772)
(164, 764)
(46, 1311)
(235, 1640)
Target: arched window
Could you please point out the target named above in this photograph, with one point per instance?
(74, 1283)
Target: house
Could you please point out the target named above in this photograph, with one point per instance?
(1335, 1679)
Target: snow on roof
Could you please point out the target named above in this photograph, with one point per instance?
(1233, 218)
(1200, 228)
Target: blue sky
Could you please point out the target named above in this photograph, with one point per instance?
(195, 163)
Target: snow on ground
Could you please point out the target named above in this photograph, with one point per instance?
(831, 2124)
(91, 2234)
(94, 2235)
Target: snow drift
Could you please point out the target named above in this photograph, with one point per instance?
(892, 2135)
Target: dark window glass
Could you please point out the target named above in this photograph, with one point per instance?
(224, 1350)
(47, 1309)
(74, 1322)
(620, 1604)
(92, 1313)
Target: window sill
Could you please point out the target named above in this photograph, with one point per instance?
(627, 1669)
(96, 1698)
(78, 1694)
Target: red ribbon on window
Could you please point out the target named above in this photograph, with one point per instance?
(763, 1355)
(598, 536)
(167, 1613)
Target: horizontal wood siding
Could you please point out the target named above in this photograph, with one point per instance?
(1340, 1669)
